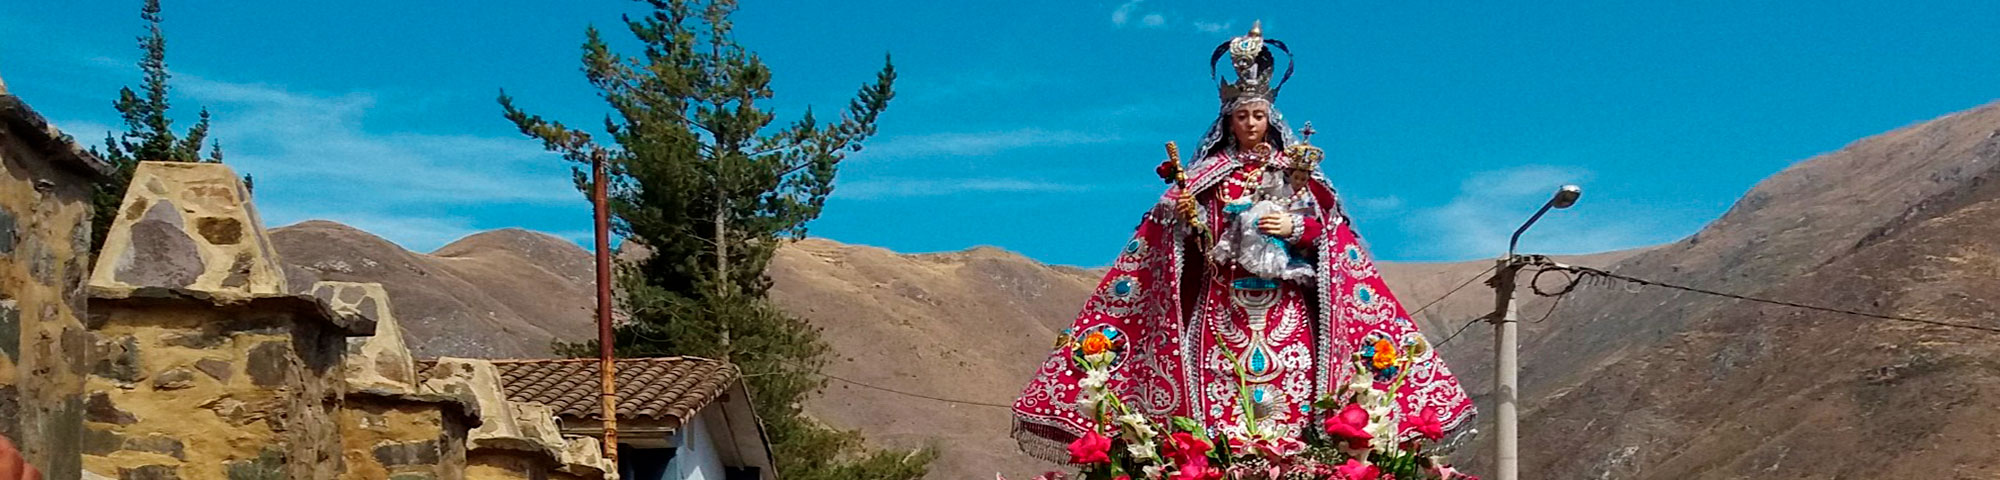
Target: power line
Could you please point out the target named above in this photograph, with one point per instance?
(1581, 272)
(1468, 324)
(906, 393)
(830, 376)
(1440, 298)
(1552, 308)
(913, 394)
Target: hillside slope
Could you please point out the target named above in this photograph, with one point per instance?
(1665, 384)
(1645, 383)
(497, 294)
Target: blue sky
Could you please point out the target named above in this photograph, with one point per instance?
(1033, 125)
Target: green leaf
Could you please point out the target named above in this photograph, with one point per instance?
(1185, 424)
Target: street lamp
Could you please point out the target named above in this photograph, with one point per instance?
(1507, 366)
(1564, 197)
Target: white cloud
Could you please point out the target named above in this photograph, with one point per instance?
(314, 158)
(1490, 205)
(323, 155)
(1213, 27)
(976, 144)
(926, 187)
(1154, 20)
(1386, 204)
(319, 142)
(1124, 12)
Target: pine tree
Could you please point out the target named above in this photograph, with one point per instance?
(701, 177)
(149, 132)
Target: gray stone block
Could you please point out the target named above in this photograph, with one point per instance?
(100, 409)
(413, 453)
(150, 472)
(269, 364)
(161, 254)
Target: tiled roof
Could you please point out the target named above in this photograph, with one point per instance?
(651, 388)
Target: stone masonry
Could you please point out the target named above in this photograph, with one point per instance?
(201, 366)
(391, 427)
(46, 182)
(515, 440)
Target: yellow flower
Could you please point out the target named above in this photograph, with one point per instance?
(1385, 354)
(1096, 343)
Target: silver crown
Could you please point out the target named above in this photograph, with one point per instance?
(1253, 63)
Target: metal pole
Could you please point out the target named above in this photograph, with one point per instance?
(605, 356)
(1506, 369)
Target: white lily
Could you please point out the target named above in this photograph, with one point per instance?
(1143, 450)
(1137, 425)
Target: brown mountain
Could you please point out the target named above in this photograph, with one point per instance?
(967, 326)
(973, 326)
(1665, 384)
(1619, 383)
(498, 294)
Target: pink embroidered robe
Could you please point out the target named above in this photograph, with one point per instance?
(1177, 321)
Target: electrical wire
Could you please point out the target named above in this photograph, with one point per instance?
(1587, 271)
(1440, 298)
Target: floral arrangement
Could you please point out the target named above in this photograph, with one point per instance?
(1356, 442)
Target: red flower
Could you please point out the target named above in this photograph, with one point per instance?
(1190, 456)
(1350, 424)
(1197, 469)
(1091, 449)
(1427, 424)
(1355, 470)
(1184, 447)
(1280, 448)
(1447, 472)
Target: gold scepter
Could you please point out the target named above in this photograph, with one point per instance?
(1171, 172)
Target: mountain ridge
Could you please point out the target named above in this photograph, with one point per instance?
(1645, 383)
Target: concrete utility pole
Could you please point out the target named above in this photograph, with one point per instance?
(1506, 343)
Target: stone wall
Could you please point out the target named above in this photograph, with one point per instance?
(45, 188)
(238, 391)
(400, 439)
(515, 440)
(202, 365)
(390, 426)
(185, 356)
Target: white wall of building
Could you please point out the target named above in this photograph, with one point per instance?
(698, 458)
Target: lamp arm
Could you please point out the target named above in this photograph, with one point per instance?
(1516, 239)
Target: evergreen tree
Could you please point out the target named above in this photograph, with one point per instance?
(149, 133)
(702, 178)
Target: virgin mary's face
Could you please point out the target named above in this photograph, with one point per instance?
(1249, 124)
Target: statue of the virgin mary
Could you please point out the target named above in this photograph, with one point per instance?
(1244, 288)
